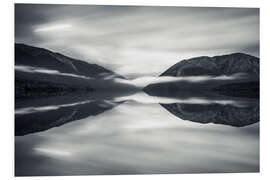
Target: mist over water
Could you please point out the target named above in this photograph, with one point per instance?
(139, 97)
(31, 69)
(144, 98)
(136, 136)
(133, 132)
(90, 99)
(142, 82)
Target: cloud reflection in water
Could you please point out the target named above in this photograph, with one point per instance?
(136, 137)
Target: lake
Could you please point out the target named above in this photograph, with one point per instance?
(135, 133)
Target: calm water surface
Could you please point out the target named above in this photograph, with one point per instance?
(131, 134)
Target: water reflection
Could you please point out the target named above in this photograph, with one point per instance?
(131, 133)
(202, 107)
(210, 107)
(44, 113)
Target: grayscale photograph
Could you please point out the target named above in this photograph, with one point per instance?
(117, 90)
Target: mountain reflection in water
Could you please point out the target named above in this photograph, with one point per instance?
(136, 133)
(202, 107)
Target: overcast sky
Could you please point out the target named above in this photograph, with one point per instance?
(137, 41)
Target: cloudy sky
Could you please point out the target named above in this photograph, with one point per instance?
(137, 41)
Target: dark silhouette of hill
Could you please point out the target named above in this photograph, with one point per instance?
(227, 65)
(43, 58)
(40, 72)
(243, 91)
(215, 66)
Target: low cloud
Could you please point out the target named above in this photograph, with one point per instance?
(31, 69)
(144, 81)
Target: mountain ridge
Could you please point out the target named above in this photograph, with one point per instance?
(216, 65)
(41, 73)
(227, 65)
(41, 57)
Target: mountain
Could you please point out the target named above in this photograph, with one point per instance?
(243, 65)
(40, 72)
(228, 101)
(215, 66)
(39, 57)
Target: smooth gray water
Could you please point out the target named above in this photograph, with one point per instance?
(134, 133)
(133, 137)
